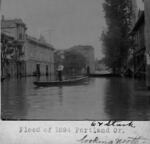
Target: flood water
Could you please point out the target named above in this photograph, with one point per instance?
(96, 99)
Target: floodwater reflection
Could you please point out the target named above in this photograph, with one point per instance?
(96, 99)
(126, 100)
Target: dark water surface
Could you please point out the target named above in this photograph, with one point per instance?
(96, 99)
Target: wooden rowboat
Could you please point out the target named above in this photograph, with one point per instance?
(59, 83)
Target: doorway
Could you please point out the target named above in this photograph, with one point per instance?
(46, 70)
(38, 69)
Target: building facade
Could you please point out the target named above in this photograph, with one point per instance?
(39, 57)
(6, 53)
(15, 30)
(138, 34)
(136, 65)
(30, 56)
(147, 40)
(141, 35)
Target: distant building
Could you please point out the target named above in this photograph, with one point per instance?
(88, 52)
(39, 57)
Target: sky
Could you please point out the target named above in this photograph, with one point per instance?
(64, 23)
(140, 4)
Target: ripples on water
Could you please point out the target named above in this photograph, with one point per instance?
(96, 99)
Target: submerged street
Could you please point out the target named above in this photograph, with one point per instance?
(75, 72)
(107, 40)
(96, 99)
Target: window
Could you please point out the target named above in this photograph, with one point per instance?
(20, 36)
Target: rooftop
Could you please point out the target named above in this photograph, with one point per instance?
(37, 41)
(5, 23)
(139, 22)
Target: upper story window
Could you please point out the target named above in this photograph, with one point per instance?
(20, 36)
(21, 32)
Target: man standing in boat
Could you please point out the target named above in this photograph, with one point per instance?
(88, 70)
(60, 69)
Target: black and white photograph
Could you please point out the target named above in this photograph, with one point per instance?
(75, 60)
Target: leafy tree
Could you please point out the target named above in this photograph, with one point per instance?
(116, 42)
(73, 62)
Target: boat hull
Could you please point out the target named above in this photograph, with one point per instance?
(104, 75)
(61, 83)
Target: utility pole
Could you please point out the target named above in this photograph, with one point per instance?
(147, 41)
